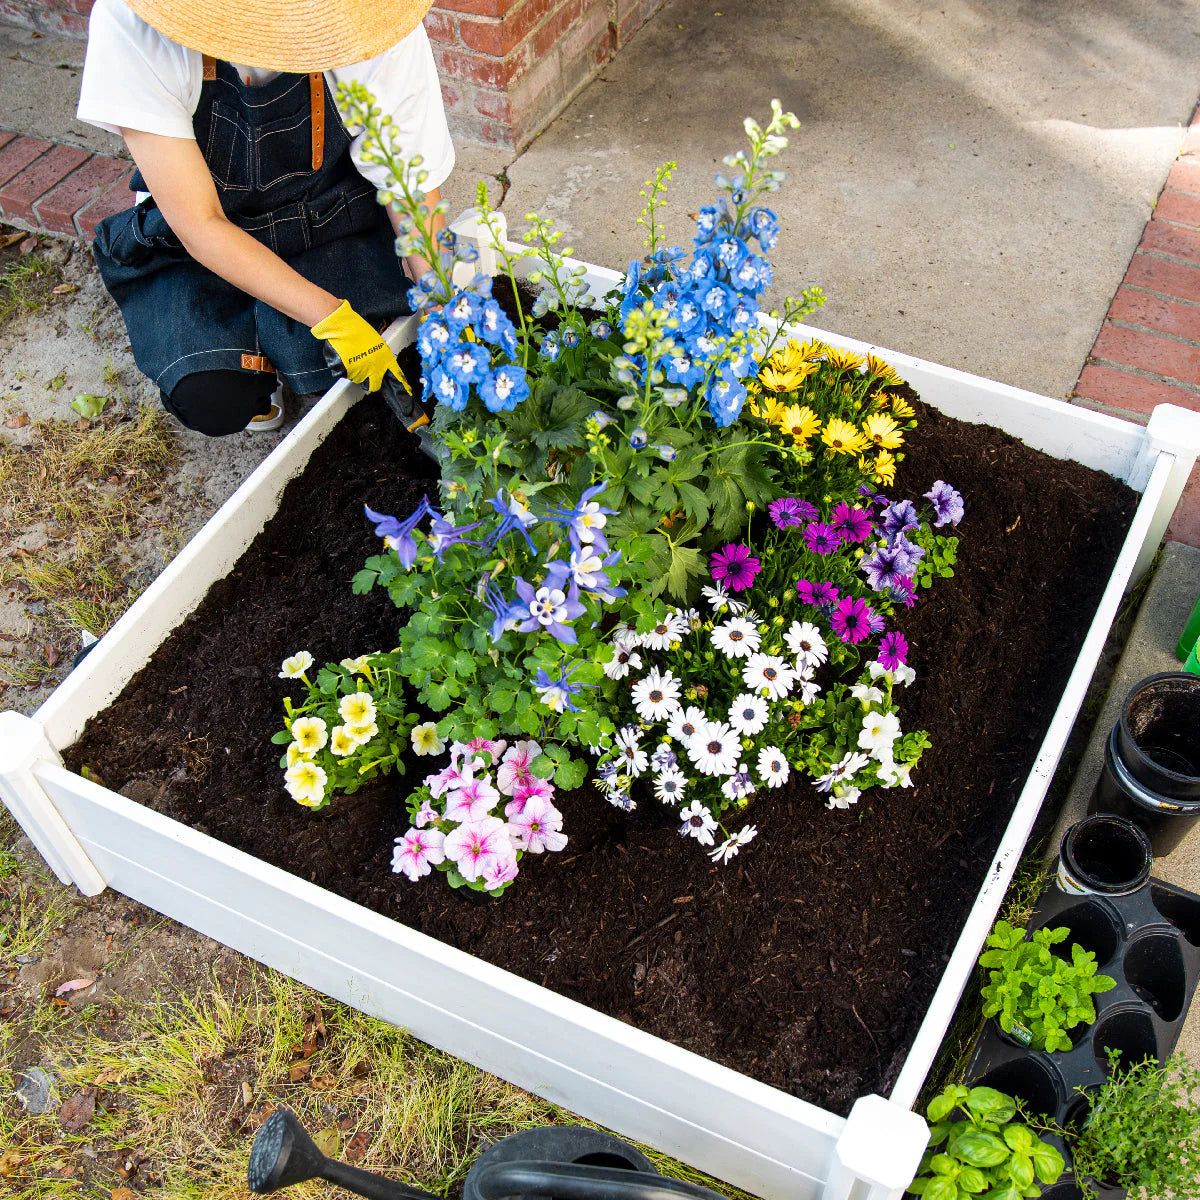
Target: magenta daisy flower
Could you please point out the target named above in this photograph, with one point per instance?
(893, 651)
(821, 538)
(735, 566)
(788, 512)
(817, 594)
(851, 619)
(852, 523)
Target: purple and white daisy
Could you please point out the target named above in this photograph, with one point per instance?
(720, 599)
(697, 822)
(629, 751)
(669, 785)
(851, 619)
(787, 512)
(808, 687)
(684, 723)
(853, 524)
(417, 853)
(804, 640)
(773, 766)
(734, 566)
(714, 750)
(820, 595)
(842, 771)
(947, 503)
(728, 849)
(656, 696)
(769, 673)
(748, 714)
(736, 638)
(664, 758)
(739, 784)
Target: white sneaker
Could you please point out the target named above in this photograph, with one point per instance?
(272, 419)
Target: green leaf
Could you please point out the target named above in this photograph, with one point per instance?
(570, 774)
(501, 699)
(90, 405)
(1047, 1162)
(1018, 1138)
(988, 1102)
(542, 766)
(972, 1179)
(1020, 1170)
(363, 581)
(941, 1188)
(979, 1148)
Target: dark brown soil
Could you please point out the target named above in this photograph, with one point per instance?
(809, 962)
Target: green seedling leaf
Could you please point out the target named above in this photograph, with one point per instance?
(978, 1148)
(90, 405)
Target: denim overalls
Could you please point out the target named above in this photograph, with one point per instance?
(324, 222)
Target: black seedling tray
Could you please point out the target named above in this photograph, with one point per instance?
(1149, 942)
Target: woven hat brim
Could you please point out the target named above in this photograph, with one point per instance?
(285, 35)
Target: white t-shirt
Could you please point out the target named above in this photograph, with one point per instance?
(135, 77)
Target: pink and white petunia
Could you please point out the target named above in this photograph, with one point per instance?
(425, 815)
(494, 748)
(471, 800)
(502, 871)
(525, 792)
(516, 766)
(418, 852)
(537, 827)
(478, 846)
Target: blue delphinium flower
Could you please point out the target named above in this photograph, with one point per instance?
(550, 348)
(468, 362)
(569, 336)
(638, 438)
(504, 388)
(666, 453)
(601, 330)
(447, 389)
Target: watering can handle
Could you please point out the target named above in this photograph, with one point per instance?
(578, 1181)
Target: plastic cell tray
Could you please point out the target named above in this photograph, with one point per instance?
(1149, 942)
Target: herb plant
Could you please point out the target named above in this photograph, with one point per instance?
(986, 1154)
(1034, 993)
(1143, 1130)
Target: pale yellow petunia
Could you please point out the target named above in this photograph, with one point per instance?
(305, 783)
(342, 742)
(358, 708)
(296, 753)
(294, 667)
(310, 734)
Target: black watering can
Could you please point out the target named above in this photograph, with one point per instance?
(564, 1162)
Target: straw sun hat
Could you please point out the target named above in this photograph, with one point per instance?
(285, 35)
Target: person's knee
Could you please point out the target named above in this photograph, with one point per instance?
(217, 403)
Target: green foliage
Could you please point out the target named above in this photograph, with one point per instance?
(985, 1154)
(941, 554)
(1143, 1129)
(1032, 989)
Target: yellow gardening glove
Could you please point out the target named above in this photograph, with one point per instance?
(365, 355)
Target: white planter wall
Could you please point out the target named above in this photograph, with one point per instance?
(717, 1119)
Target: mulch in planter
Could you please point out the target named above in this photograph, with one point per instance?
(808, 962)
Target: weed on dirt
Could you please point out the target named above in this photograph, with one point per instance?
(27, 283)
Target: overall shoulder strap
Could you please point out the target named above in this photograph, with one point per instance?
(210, 67)
(316, 89)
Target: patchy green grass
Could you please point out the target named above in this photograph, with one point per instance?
(27, 285)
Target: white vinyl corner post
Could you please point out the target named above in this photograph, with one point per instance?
(878, 1153)
(1175, 431)
(23, 746)
(469, 226)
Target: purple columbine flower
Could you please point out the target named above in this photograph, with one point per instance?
(898, 517)
(853, 523)
(947, 503)
(400, 532)
(549, 608)
(788, 512)
(735, 567)
(503, 609)
(820, 595)
(516, 516)
(851, 619)
(443, 534)
(821, 538)
(893, 650)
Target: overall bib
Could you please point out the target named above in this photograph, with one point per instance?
(289, 182)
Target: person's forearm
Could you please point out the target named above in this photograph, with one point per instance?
(246, 263)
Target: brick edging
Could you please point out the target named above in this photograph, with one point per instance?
(49, 187)
(1148, 349)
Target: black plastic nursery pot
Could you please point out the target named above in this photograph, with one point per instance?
(1151, 770)
(1104, 855)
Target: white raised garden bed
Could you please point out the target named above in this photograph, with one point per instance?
(717, 1119)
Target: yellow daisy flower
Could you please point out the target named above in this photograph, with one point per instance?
(902, 408)
(885, 468)
(772, 409)
(777, 380)
(800, 421)
(357, 709)
(883, 371)
(883, 431)
(843, 438)
(305, 783)
(310, 734)
(843, 360)
(811, 351)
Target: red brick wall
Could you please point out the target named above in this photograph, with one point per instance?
(507, 66)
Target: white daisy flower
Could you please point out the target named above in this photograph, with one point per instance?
(294, 667)
(721, 600)
(736, 638)
(669, 785)
(806, 643)
(697, 822)
(771, 673)
(310, 734)
(656, 696)
(879, 731)
(305, 782)
(842, 771)
(683, 724)
(728, 849)
(664, 757)
(715, 749)
(866, 693)
(739, 784)
(748, 713)
(773, 766)
(843, 797)
(625, 659)
(629, 749)
(357, 709)
(670, 629)
(809, 688)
